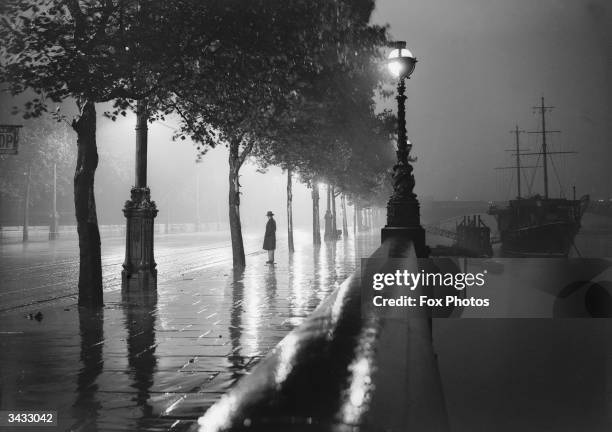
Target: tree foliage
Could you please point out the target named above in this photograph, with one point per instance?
(331, 132)
(279, 70)
(290, 81)
(95, 50)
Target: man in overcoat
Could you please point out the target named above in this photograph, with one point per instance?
(270, 237)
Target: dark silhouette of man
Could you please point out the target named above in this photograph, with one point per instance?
(270, 237)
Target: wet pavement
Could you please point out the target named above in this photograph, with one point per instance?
(159, 363)
(349, 367)
(40, 271)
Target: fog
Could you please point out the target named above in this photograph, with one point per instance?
(173, 174)
(482, 65)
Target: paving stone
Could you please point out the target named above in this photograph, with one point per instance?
(160, 366)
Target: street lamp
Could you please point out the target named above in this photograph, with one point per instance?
(401, 62)
(403, 215)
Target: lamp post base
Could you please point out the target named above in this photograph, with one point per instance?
(400, 237)
(404, 219)
(140, 282)
(139, 273)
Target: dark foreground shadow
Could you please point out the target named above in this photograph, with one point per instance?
(140, 311)
(86, 408)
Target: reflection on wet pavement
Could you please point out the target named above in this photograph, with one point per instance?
(147, 363)
(41, 271)
(86, 407)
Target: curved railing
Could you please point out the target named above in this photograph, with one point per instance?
(342, 369)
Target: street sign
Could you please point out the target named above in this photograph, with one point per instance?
(9, 139)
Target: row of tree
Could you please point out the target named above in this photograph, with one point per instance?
(286, 82)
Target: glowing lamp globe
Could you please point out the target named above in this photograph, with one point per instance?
(401, 63)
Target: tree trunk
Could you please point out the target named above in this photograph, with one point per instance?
(90, 270)
(290, 211)
(54, 222)
(328, 234)
(26, 207)
(344, 220)
(234, 205)
(334, 218)
(355, 220)
(316, 223)
(197, 200)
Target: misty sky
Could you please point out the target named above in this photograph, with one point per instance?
(482, 65)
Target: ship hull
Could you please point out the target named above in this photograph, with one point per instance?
(547, 240)
(539, 227)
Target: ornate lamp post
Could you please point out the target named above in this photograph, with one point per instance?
(403, 215)
(139, 269)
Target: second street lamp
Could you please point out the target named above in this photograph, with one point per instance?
(403, 214)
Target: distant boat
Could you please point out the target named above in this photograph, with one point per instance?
(538, 226)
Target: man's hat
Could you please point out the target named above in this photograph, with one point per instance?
(269, 213)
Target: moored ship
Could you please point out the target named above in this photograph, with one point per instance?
(538, 226)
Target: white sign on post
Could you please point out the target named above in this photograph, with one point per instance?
(9, 139)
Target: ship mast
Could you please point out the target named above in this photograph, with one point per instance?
(543, 110)
(517, 153)
(517, 132)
